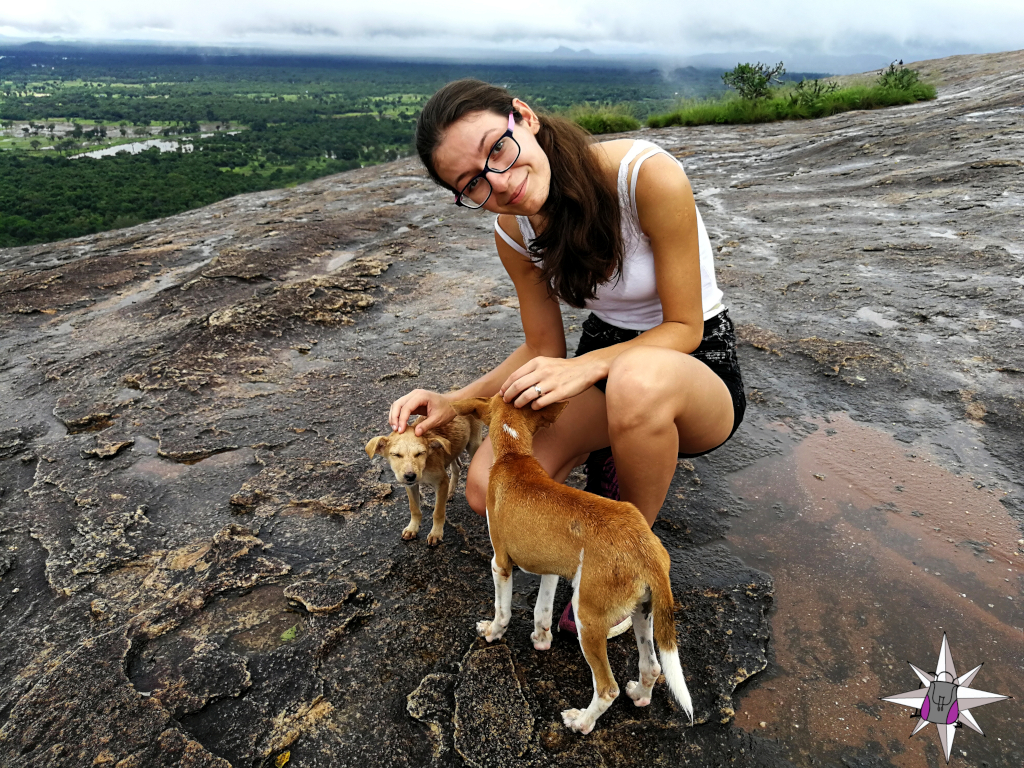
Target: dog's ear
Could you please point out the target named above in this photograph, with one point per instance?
(439, 442)
(477, 406)
(377, 445)
(549, 413)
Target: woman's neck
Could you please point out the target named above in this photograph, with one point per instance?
(538, 221)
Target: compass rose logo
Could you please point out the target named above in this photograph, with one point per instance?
(947, 699)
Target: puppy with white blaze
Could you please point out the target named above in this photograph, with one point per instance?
(617, 566)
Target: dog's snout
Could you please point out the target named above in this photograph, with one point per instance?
(409, 476)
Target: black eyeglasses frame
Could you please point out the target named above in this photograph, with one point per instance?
(487, 169)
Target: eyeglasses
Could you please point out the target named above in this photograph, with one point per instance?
(502, 156)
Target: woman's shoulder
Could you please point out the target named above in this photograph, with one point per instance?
(610, 153)
(509, 224)
(506, 226)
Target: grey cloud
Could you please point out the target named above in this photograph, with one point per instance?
(42, 26)
(125, 25)
(652, 26)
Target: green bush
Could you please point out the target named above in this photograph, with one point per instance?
(810, 92)
(792, 106)
(603, 118)
(898, 77)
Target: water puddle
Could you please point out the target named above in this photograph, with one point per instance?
(876, 550)
(864, 313)
(160, 470)
(135, 147)
(319, 265)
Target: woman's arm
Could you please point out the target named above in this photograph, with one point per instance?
(539, 312)
(542, 325)
(668, 216)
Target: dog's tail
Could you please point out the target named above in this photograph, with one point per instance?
(664, 607)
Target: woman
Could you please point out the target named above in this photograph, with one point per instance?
(612, 227)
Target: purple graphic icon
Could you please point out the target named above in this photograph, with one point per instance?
(947, 699)
(941, 694)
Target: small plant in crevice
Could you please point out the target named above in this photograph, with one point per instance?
(897, 77)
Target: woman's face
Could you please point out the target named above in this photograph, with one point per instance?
(523, 188)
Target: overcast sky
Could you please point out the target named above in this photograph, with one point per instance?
(909, 29)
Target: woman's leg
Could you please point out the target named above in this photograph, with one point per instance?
(661, 402)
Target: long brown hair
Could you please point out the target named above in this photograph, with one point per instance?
(581, 245)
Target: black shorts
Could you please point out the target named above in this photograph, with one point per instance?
(717, 351)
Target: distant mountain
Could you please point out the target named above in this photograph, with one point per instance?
(561, 56)
(564, 51)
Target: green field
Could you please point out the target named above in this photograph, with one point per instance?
(273, 120)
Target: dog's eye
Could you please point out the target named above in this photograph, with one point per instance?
(420, 453)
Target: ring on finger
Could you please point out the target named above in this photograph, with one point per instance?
(540, 392)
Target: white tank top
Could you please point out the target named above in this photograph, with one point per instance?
(632, 301)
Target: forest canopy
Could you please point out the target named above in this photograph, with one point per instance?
(241, 123)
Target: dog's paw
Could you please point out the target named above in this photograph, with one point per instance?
(541, 640)
(636, 692)
(484, 629)
(435, 537)
(410, 533)
(577, 720)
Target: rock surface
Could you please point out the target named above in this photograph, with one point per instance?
(199, 566)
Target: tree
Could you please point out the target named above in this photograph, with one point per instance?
(754, 81)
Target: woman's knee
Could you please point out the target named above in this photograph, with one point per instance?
(476, 479)
(640, 384)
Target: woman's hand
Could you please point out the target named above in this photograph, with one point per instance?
(433, 405)
(546, 380)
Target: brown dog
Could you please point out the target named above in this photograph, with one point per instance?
(432, 459)
(616, 564)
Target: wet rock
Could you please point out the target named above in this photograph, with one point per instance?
(85, 530)
(185, 677)
(328, 299)
(13, 442)
(483, 713)
(106, 450)
(77, 418)
(65, 719)
(318, 597)
(493, 722)
(8, 562)
(433, 703)
(185, 493)
(193, 455)
(243, 264)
